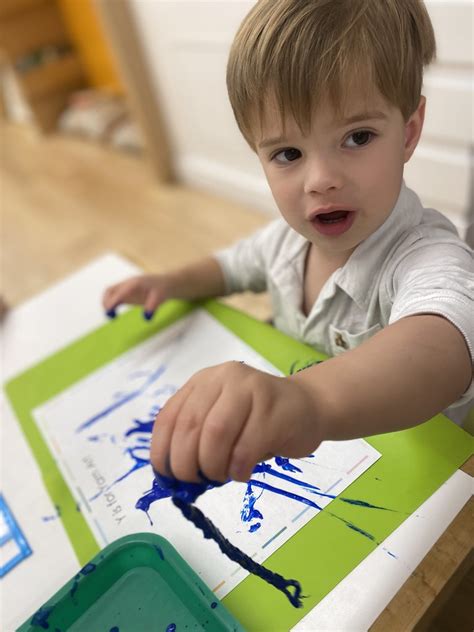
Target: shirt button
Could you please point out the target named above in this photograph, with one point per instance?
(340, 342)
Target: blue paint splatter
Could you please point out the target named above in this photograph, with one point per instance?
(214, 604)
(171, 627)
(41, 617)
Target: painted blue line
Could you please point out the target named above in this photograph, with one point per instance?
(124, 400)
(300, 514)
(333, 485)
(252, 482)
(273, 537)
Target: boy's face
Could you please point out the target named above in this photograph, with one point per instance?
(338, 184)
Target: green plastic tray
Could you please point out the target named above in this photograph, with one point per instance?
(137, 583)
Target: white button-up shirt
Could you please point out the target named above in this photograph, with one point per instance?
(414, 263)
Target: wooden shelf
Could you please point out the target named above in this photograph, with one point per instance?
(62, 74)
(27, 29)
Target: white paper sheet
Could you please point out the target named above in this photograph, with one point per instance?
(99, 431)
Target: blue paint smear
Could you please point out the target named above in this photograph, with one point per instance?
(159, 550)
(123, 400)
(363, 503)
(171, 627)
(352, 526)
(88, 568)
(41, 617)
(285, 464)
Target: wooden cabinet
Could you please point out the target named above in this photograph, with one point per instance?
(35, 41)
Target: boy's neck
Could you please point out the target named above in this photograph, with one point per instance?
(319, 266)
(327, 261)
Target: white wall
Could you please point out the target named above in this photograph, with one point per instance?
(186, 44)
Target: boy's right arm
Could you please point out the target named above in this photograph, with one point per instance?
(203, 279)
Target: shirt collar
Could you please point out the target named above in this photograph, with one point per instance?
(359, 273)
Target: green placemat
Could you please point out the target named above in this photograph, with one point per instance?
(414, 464)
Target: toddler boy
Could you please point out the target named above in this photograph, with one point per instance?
(328, 94)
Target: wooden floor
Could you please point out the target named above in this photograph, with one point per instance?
(66, 201)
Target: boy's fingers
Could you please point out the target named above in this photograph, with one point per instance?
(163, 431)
(153, 299)
(221, 430)
(246, 453)
(256, 438)
(187, 430)
(107, 298)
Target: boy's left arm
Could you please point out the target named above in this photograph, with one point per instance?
(227, 418)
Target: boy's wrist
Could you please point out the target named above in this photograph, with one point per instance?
(324, 409)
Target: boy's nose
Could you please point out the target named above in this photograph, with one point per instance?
(322, 175)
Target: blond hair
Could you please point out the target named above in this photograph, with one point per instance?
(300, 52)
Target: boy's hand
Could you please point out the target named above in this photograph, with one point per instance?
(149, 290)
(227, 418)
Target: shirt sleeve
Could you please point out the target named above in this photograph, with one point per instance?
(245, 263)
(438, 279)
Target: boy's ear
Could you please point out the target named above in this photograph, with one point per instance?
(413, 128)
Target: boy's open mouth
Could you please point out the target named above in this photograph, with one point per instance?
(333, 223)
(330, 218)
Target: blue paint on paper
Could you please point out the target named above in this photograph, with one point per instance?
(123, 400)
(283, 492)
(248, 512)
(285, 464)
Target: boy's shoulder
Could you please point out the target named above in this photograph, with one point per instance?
(416, 228)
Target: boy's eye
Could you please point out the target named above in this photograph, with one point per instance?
(358, 139)
(287, 155)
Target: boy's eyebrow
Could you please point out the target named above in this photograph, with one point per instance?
(363, 116)
(355, 118)
(268, 142)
